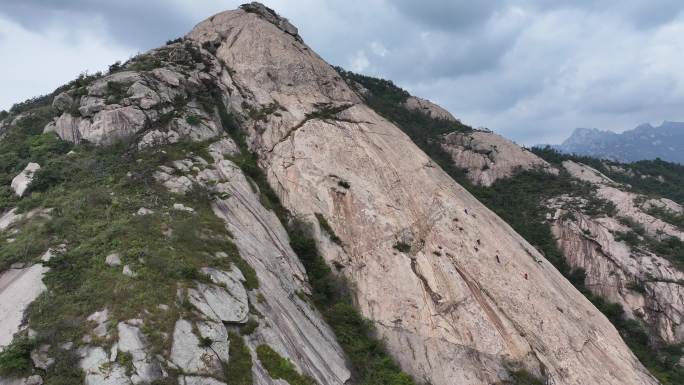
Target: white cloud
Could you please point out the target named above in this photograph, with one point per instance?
(33, 64)
(531, 69)
(359, 62)
(379, 49)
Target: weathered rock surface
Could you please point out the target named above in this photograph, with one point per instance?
(469, 296)
(21, 182)
(18, 288)
(113, 259)
(488, 156)
(31, 380)
(99, 370)
(219, 304)
(456, 316)
(648, 286)
(40, 357)
(154, 103)
(289, 324)
(428, 108)
(624, 201)
(132, 341)
(190, 356)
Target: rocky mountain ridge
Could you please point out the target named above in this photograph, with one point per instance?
(275, 182)
(665, 141)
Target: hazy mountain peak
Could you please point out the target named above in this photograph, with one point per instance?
(645, 141)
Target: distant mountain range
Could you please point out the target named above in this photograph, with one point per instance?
(643, 142)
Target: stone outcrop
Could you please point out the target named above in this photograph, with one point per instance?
(648, 286)
(455, 313)
(488, 157)
(21, 182)
(155, 104)
(625, 202)
(289, 324)
(428, 108)
(18, 288)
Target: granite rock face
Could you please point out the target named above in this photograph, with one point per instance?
(21, 182)
(455, 313)
(464, 298)
(18, 288)
(648, 286)
(488, 157)
(428, 108)
(289, 324)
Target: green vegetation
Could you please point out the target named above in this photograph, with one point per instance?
(249, 327)
(116, 92)
(523, 377)
(94, 195)
(174, 41)
(279, 367)
(643, 177)
(239, 367)
(521, 202)
(193, 120)
(402, 247)
(328, 229)
(668, 216)
(15, 360)
(144, 63)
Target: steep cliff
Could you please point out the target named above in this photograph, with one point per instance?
(179, 267)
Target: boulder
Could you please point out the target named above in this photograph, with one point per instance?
(100, 318)
(127, 271)
(62, 102)
(182, 207)
(221, 304)
(113, 259)
(21, 182)
(109, 126)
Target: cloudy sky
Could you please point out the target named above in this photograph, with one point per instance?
(532, 70)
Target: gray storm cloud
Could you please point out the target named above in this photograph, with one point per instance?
(530, 69)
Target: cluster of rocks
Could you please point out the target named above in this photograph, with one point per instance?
(199, 348)
(160, 105)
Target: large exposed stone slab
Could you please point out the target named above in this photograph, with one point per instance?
(21, 182)
(459, 316)
(18, 288)
(132, 340)
(428, 108)
(99, 370)
(488, 157)
(188, 354)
